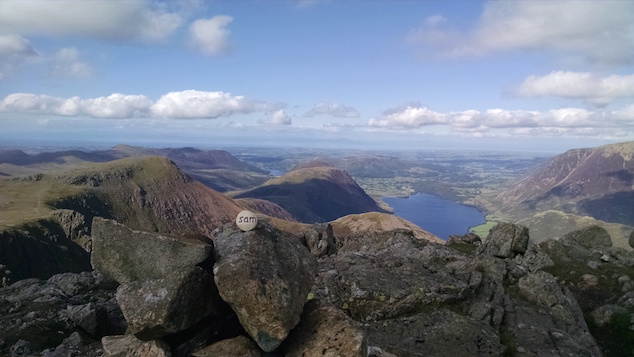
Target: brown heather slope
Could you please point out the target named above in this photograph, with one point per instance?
(596, 182)
(315, 192)
(376, 223)
(148, 193)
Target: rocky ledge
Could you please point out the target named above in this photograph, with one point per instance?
(266, 293)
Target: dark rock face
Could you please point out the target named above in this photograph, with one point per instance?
(438, 333)
(265, 277)
(631, 240)
(127, 255)
(158, 307)
(40, 250)
(505, 240)
(325, 330)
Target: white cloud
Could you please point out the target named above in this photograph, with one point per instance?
(192, 104)
(277, 118)
(210, 36)
(117, 105)
(333, 109)
(601, 31)
(573, 121)
(67, 63)
(584, 85)
(189, 104)
(18, 53)
(409, 117)
(112, 20)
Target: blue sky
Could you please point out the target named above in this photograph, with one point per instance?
(507, 75)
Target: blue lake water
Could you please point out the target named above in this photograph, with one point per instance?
(436, 215)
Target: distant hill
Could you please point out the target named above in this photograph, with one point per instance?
(315, 192)
(217, 169)
(145, 193)
(596, 182)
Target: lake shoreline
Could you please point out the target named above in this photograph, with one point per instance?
(435, 214)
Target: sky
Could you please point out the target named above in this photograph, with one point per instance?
(464, 75)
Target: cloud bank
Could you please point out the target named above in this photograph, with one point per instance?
(565, 120)
(189, 104)
(109, 20)
(597, 90)
(333, 109)
(600, 31)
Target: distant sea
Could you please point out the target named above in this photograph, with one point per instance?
(436, 215)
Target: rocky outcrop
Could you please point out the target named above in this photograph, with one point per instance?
(405, 296)
(265, 277)
(158, 307)
(505, 240)
(326, 331)
(48, 315)
(75, 227)
(39, 249)
(127, 255)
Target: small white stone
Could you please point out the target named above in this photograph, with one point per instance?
(246, 220)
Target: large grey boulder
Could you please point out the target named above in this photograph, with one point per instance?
(158, 307)
(240, 346)
(589, 237)
(130, 346)
(505, 240)
(326, 331)
(127, 255)
(265, 276)
(550, 323)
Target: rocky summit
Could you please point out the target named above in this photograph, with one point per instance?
(318, 293)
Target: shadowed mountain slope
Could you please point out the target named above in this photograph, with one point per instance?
(315, 193)
(596, 182)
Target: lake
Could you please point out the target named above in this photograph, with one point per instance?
(436, 215)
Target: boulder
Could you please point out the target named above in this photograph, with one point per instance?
(326, 331)
(631, 240)
(320, 240)
(158, 307)
(389, 275)
(469, 238)
(130, 346)
(265, 276)
(589, 237)
(561, 322)
(240, 346)
(505, 240)
(127, 255)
